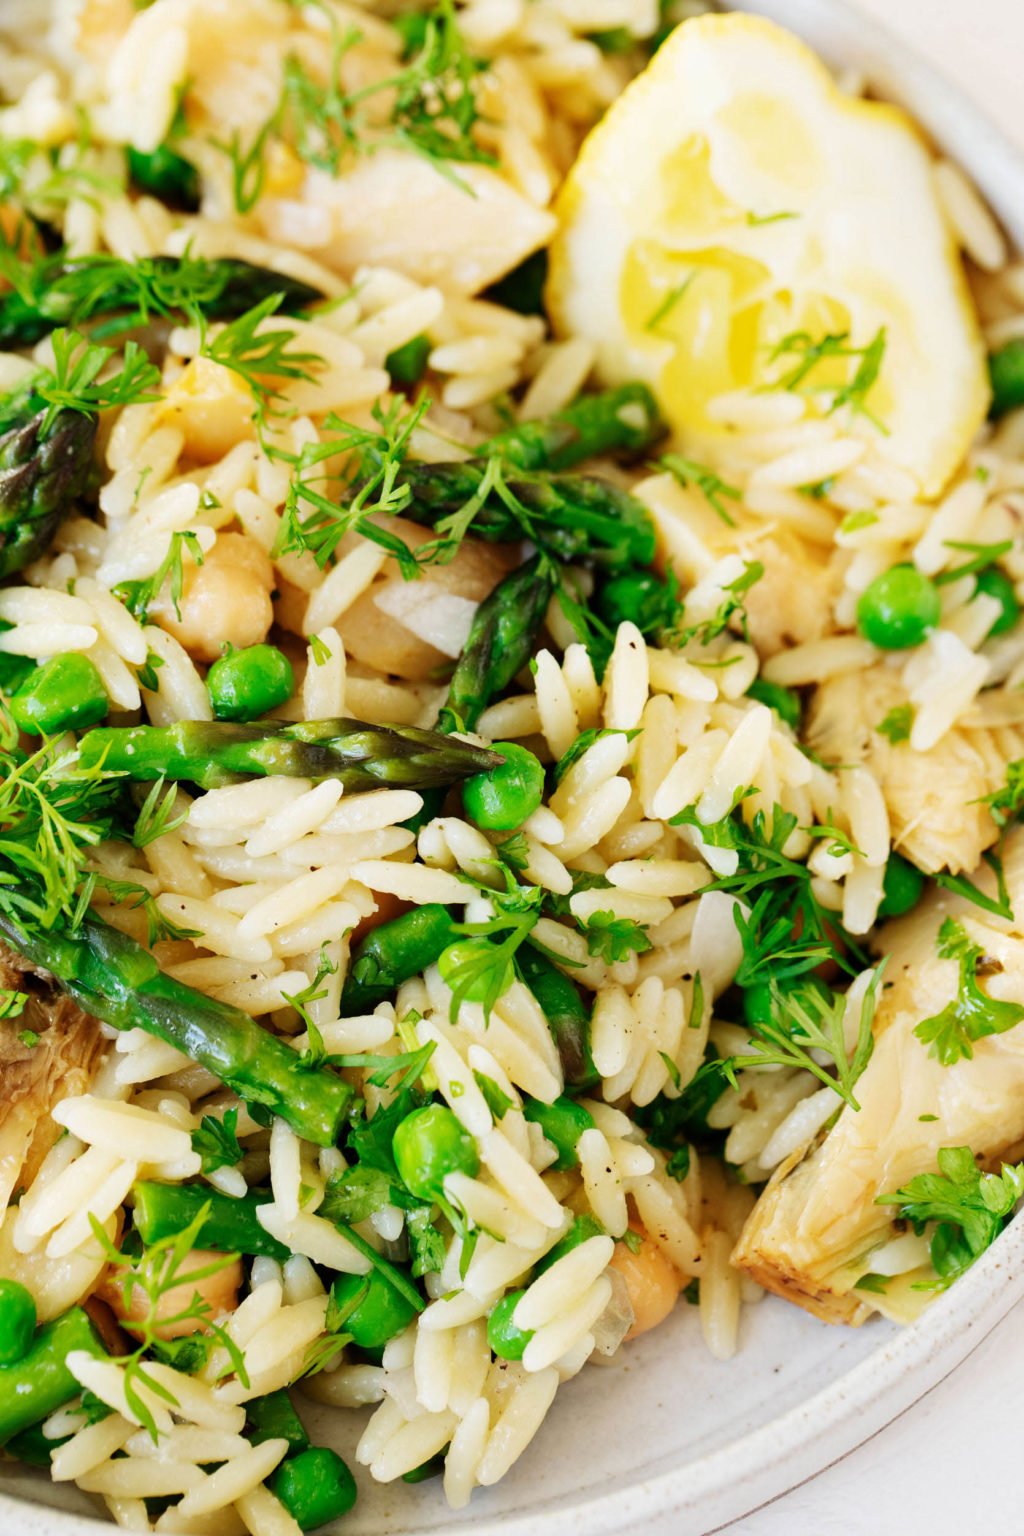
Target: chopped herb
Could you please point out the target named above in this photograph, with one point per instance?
(971, 1014)
(984, 555)
(756, 219)
(840, 842)
(970, 1207)
(854, 521)
(154, 1274)
(498, 1101)
(612, 938)
(732, 606)
(320, 649)
(216, 1141)
(1008, 802)
(999, 905)
(668, 304)
(157, 815)
(261, 357)
(12, 1005)
(897, 723)
(875, 1284)
(689, 473)
(809, 1019)
(74, 384)
(140, 596)
(583, 743)
(810, 354)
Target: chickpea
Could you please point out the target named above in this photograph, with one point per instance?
(219, 1291)
(652, 1281)
(224, 601)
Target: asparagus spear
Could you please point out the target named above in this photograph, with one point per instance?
(40, 1382)
(623, 420)
(43, 467)
(574, 517)
(499, 644)
(212, 753)
(116, 980)
(567, 1015)
(61, 290)
(231, 1225)
(392, 953)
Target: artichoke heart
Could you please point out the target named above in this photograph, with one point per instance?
(813, 1233)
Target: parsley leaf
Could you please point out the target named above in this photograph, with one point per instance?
(216, 1141)
(971, 1014)
(614, 938)
(1008, 802)
(810, 354)
(970, 1207)
(897, 723)
(141, 595)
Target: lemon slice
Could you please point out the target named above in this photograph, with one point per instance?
(734, 215)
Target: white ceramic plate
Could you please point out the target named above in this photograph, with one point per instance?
(667, 1441)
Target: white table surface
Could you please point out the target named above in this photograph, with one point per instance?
(951, 1464)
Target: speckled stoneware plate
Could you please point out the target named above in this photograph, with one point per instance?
(667, 1442)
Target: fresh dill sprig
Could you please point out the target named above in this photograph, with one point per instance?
(140, 596)
(369, 482)
(428, 107)
(156, 815)
(261, 356)
(74, 383)
(689, 473)
(154, 1275)
(810, 354)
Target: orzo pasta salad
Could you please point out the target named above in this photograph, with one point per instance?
(512, 730)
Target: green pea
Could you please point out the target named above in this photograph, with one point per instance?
(902, 887)
(315, 1486)
(406, 364)
(506, 1340)
(244, 684)
(17, 1321)
(784, 701)
(503, 798)
(434, 1467)
(583, 1227)
(381, 1313)
(563, 1123)
(898, 609)
(65, 694)
(466, 952)
(429, 1144)
(995, 583)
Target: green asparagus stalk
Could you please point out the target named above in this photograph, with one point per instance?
(43, 467)
(115, 979)
(574, 517)
(230, 1225)
(214, 753)
(68, 291)
(619, 421)
(499, 644)
(567, 1015)
(40, 1382)
(392, 953)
